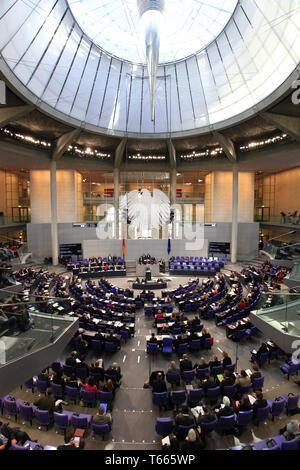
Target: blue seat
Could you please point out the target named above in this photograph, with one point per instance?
(164, 426)
(152, 348)
(188, 376)
(167, 347)
(276, 407)
(101, 430)
(178, 397)
(226, 423)
(201, 373)
(244, 418)
(258, 383)
(194, 396)
(173, 379)
(195, 345)
(290, 369)
(160, 399)
(262, 414)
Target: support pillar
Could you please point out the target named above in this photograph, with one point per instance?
(173, 175)
(235, 204)
(116, 201)
(54, 230)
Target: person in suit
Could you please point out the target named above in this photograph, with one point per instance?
(202, 364)
(47, 403)
(185, 363)
(114, 369)
(226, 359)
(73, 381)
(159, 385)
(227, 380)
(259, 403)
(183, 418)
(208, 417)
(96, 369)
(214, 363)
(173, 370)
(44, 377)
(100, 418)
(153, 338)
(58, 379)
(207, 383)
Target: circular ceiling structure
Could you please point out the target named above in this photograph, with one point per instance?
(81, 77)
(189, 26)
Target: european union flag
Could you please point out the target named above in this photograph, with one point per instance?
(169, 246)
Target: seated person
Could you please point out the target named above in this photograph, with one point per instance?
(226, 410)
(242, 379)
(244, 404)
(153, 338)
(58, 379)
(44, 377)
(10, 436)
(291, 431)
(208, 383)
(256, 374)
(183, 418)
(226, 359)
(260, 402)
(73, 381)
(48, 403)
(185, 363)
(192, 442)
(70, 444)
(90, 386)
(263, 349)
(109, 387)
(214, 363)
(202, 364)
(208, 416)
(100, 418)
(159, 385)
(114, 370)
(227, 380)
(173, 370)
(97, 369)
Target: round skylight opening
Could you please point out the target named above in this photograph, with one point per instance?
(189, 26)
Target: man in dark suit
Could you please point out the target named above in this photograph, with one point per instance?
(185, 363)
(183, 419)
(71, 360)
(159, 385)
(44, 377)
(208, 383)
(259, 403)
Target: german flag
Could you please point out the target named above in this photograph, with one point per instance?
(123, 248)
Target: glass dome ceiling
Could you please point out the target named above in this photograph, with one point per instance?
(189, 25)
(47, 59)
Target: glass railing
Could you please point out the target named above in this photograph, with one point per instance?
(281, 310)
(283, 220)
(6, 220)
(26, 329)
(280, 250)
